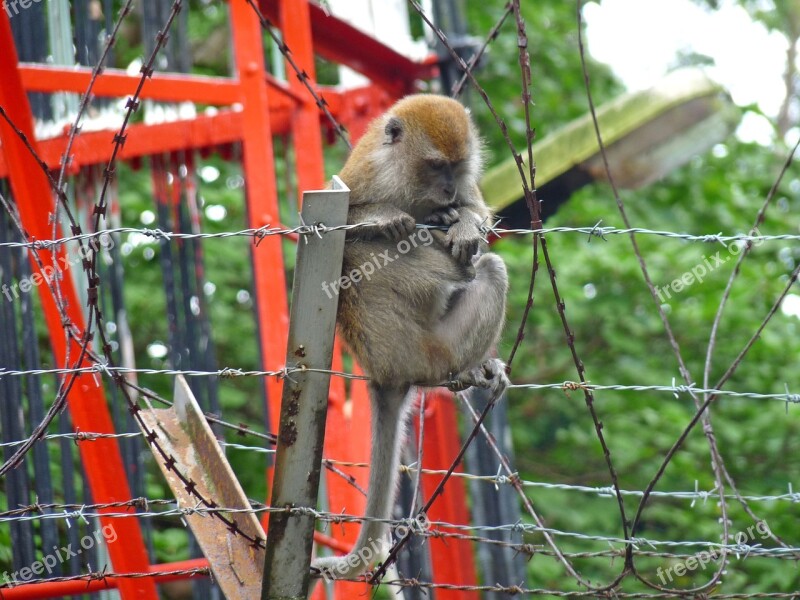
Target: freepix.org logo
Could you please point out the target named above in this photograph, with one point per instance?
(55, 271)
(376, 263)
(58, 556)
(706, 266)
(12, 7)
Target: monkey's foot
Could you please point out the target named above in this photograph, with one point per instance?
(338, 567)
(489, 375)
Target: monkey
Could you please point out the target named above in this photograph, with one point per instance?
(432, 304)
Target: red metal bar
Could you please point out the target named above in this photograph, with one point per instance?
(306, 135)
(117, 83)
(347, 439)
(453, 561)
(102, 460)
(58, 589)
(95, 147)
(342, 43)
(165, 87)
(262, 198)
(354, 108)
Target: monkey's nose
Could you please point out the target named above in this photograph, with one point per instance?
(448, 190)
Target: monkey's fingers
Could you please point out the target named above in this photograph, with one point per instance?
(399, 227)
(443, 216)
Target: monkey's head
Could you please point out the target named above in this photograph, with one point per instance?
(424, 152)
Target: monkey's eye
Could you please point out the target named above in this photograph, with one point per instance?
(437, 165)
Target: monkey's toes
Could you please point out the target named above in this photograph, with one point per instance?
(464, 250)
(489, 375)
(494, 371)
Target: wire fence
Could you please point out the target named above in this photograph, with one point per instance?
(625, 553)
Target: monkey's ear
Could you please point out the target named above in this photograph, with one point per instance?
(393, 130)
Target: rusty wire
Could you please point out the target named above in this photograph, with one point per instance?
(107, 576)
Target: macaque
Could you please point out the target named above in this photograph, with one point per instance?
(422, 307)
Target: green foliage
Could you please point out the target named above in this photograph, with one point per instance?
(621, 340)
(557, 80)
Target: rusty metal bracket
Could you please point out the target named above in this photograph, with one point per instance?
(191, 449)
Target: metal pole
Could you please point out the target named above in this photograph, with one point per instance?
(304, 403)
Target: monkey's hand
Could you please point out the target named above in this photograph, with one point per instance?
(464, 238)
(443, 216)
(489, 375)
(387, 221)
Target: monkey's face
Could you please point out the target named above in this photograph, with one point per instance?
(443, 179)
(437, 182)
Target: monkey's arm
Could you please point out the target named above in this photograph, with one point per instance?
(385, 220)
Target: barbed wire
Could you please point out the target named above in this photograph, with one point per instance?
(258, 233)
(287, 372)
(496, 480)
(106, 575)
(629, 542)
(85, 512)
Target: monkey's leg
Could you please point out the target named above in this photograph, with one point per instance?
(475, 312)
(388, 420)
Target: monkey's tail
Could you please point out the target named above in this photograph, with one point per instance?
(389, 406)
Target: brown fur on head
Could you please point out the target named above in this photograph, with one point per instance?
(422, 155)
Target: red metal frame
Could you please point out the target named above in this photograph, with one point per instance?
(65, 588)
(253, 107)
(342, 43)
(87, 403)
